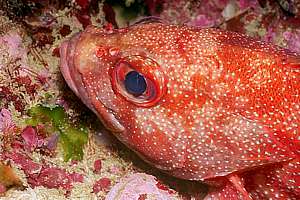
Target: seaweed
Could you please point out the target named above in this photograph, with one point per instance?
(71, 138)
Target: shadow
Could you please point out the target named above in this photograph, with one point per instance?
(186, 188)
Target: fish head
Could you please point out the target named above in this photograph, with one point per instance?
(124, 83)
(176, 95)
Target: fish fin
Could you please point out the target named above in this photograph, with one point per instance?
(233, 189)
(239, 186)
(243, 43)
(282, 182)
(293, 62)
(148, 20)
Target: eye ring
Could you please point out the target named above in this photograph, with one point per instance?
(150, 70)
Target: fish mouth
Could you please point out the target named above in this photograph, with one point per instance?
(74, 79)
(64, 65)
(71, 75)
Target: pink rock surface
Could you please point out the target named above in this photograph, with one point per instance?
(293, 40)
(138, 186)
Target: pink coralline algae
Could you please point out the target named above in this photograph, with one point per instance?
(293, 40)
(103, 184)
(245, 4)
(40, 173)
(36, 138)
(137, 186)
(53, 177)
(195, 13)
(19, 77)
(30, 137)
(97, 166)
(2, 189)
(12, 46)
(83, 3)
(200, 13)
(44, 175)
(6, 122)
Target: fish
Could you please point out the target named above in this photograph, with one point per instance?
(199, 104)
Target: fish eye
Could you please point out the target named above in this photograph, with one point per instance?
(135, 83)
(139, 80)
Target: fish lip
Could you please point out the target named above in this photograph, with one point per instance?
(71, 75)
(66, 66)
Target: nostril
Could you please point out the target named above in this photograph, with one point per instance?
(100, 51)
(114, 51)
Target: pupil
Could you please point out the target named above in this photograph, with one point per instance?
(135, 83)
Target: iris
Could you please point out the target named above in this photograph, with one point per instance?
(135, 83)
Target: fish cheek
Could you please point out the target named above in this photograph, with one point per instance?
(100, 98)
(151, 139)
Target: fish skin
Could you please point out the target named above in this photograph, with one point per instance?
(224, 104)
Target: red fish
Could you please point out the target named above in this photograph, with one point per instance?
(199, 104)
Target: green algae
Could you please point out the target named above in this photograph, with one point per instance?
(71, 138)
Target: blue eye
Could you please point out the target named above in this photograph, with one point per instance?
(135, 83)
(139, 80)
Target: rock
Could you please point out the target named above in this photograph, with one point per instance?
(139, 186)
